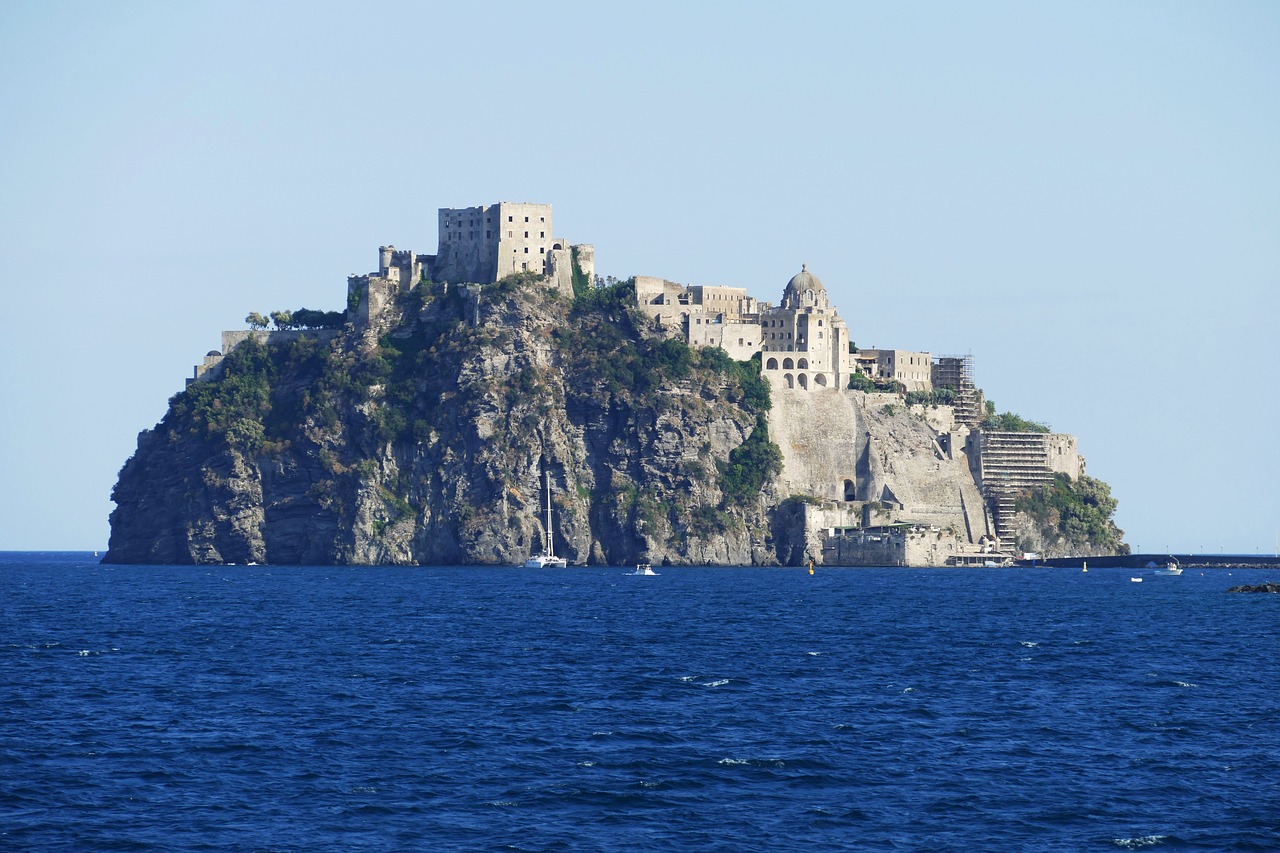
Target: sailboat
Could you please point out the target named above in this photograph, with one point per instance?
(547, 559)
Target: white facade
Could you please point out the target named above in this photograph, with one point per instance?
(805, 343)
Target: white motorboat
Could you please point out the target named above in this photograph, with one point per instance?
(547, 559)
(644, 570)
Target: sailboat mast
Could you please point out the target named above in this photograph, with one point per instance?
(551, 548)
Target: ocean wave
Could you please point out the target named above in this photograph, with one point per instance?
(1140, 842)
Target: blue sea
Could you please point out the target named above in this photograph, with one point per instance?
(271, 708)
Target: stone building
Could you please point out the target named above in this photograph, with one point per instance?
(708, 316)
(487, 243)
(913, 369)
(805, 342)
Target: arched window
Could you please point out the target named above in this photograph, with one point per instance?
(820, 379)
(804, 381)
(791, 383)
(771, 364)
(788, 364)
(802, 364)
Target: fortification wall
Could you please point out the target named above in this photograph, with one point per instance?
(234, 338)
(921, 548)
(841, 444)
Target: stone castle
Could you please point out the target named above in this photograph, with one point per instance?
(885, 483)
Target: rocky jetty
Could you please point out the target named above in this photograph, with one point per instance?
(1269, 586)
(425, 439)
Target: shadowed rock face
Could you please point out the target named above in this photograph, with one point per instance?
(428, 446)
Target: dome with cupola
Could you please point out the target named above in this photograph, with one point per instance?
(804, 290)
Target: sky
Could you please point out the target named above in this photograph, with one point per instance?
(1083, 195)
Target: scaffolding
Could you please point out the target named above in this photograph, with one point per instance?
(956, 372)
(1011, 463)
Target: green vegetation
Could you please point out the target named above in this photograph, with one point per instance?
(615, 296)
(514, 281)
(863, 382)
(755, 388)
(355, 295)
(303, 318)
(1009, 422)
(247, 405)
(1078, 511)
(751, 465)
(581, 281)
(936, 397)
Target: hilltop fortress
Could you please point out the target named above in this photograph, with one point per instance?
(867, 479)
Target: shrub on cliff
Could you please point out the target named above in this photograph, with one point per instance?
(751, 464)
(1077, 512)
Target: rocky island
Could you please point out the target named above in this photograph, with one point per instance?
(431, 421)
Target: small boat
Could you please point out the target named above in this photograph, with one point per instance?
(1136, 580)
(645, 570)
(547, 559)
(1171, 568)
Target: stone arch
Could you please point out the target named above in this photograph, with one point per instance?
(791, 383)
(788, 364)
(820, 379)
(802, 364)
(556, 246)
(771, 364)
(803, 379)
(850, 491)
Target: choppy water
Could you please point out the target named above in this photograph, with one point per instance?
(274, 708)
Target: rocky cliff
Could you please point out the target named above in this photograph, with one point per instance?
(425, 440)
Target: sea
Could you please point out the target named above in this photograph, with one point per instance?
(288, 708)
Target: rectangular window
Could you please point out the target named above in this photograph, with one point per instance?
(509, 219)
(526, 250)
(526, 219)
(526, 235)
(542, 234)
(542, 250)
(511, 233)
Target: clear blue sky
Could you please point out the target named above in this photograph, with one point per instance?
(1084, 195)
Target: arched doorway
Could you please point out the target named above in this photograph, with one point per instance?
(820, 379)
(850, 493)
(791, 383)
(803, 379)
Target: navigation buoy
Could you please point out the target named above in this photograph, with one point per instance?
(811, 567)
(1086, 566)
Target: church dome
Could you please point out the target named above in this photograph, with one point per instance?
(805, 290)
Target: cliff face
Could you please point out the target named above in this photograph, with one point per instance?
(425, 440)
